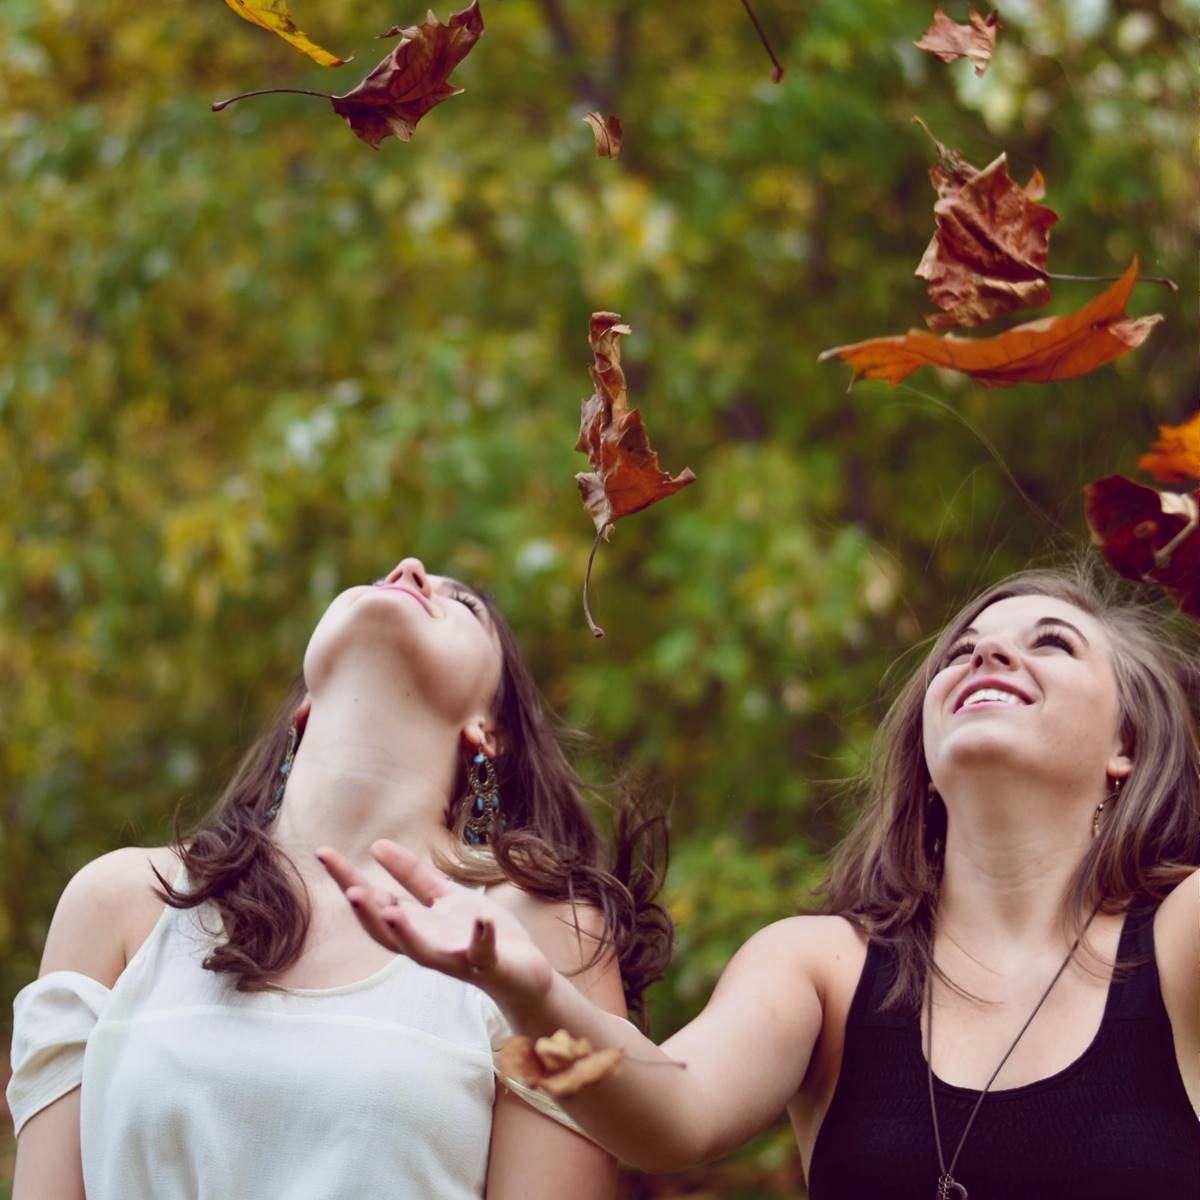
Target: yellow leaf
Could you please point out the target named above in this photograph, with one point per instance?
(273, 15)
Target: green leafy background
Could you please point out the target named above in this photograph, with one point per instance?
(245, 361)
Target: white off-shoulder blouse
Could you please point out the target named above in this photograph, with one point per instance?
(194, 1091)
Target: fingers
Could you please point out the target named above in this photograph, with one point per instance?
(413, 875)
(481, 953)
(367, 906)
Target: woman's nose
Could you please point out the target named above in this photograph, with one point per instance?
(992, 649)
(413, 571)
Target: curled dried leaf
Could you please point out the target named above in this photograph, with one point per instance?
(607, 132)
(1036, 352)
(1175, 457)
(1149, 535)
(987, 257)
(273, 15)
(559, 1065)
(625, 475)
(948, 40)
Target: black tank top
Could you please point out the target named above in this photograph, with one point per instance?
(1114, 1125)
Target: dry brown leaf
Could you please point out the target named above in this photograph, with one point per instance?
(412, 78)
(988, 255)
(1150, 535)
(559, 1065)
(1037, 352)
(948, 40)
(1176, 455)
(607, 132)
(625, 475)
(406, 84)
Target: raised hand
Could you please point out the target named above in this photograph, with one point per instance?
(452, 929)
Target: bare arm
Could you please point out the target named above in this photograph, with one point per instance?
(1177, 949)
(85, 936)
(532, 1156)
(745, 1055)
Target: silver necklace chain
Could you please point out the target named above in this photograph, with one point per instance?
(948, 1187)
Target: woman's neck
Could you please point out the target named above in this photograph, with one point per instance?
(368, 768)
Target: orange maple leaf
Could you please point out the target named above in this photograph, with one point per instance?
(948, 40)
(1176, 455)
(988, 256)
(1036, 352)
(1150, 535)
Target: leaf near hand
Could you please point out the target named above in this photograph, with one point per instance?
(1176, 455)
(1146, 534)
(948, 40)
(274, 16)
(626, 476)
(560, 1065)
(607, 132)
(988, 256)
(412, 78)
(1037, 352)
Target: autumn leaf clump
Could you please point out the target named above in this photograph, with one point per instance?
(560, 1065)
(625, 475)
(1036, 352)
(406, 84)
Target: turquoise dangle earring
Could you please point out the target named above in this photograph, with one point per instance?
(285, 770)
(483, 799)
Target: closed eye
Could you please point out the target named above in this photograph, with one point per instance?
(1054, 639)
(470, 601)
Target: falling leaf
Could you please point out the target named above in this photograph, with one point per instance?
(988, 256)
(625, 475)
(1037, 352)
(1146, 534)
(1176, 455)
(412, 79)
(948, 40)
(406, 84)
(560, 1065)
(607, 132)
(274, 16)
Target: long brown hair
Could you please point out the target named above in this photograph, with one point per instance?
(550, 845)
(885, 874)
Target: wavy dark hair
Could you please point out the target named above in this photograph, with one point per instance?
(886, 874)
(550, 846)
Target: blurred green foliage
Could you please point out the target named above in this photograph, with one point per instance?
(245, 362)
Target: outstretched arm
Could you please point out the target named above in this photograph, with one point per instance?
(742, 1059)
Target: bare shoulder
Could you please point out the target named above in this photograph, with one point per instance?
(1177, 949)
(568, 934)
(103, 909)
(827, 951)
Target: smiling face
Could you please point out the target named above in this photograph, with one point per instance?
(1029, 684)
(416, 631)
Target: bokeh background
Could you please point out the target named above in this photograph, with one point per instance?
(246, 361)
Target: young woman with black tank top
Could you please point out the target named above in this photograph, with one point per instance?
(1003, 1001)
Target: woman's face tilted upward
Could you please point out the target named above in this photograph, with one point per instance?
(411, 631)
(1028, 685)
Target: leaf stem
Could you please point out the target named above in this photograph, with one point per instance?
(220, 104)
(1167, 283)
(587, 576)
(777, 74)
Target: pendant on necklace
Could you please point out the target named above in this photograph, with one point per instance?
(950, 1189)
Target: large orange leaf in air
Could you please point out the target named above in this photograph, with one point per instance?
(1176, 455)
(1149, 535)
(625, 475)
(948, 40)
(988, 255)
(1037, 352)
(274, 16)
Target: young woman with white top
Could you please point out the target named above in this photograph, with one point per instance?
(209, 1022)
